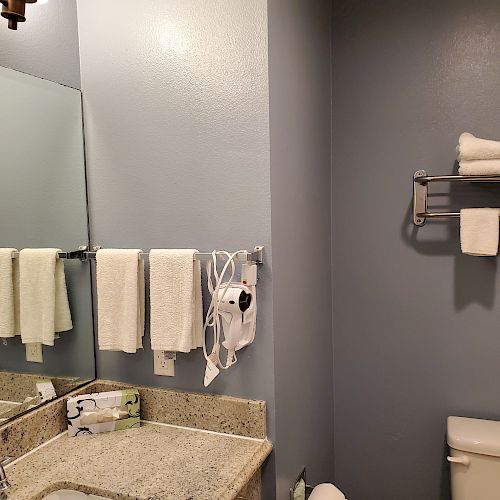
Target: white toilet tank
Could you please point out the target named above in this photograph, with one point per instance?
(474, 458)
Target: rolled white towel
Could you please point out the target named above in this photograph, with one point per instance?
(473, 148)
(479, 167)
(479, 230)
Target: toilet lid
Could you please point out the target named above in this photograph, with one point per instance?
(326, 491)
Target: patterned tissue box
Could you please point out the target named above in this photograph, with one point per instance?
(103, 412)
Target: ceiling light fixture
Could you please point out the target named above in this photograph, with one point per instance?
(14, 10)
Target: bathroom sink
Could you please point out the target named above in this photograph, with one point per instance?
(71, 495)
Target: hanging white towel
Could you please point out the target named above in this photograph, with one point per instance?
(473, 148)
(9, 293)
(479, 231)
(479, 167)
(120, 299)
(43, 296)
(176, 300)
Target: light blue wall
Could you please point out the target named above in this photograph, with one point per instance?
(300, 115)
(176, 110)
(416, 328)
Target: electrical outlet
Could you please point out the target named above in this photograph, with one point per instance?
(34, 353)
(164, 363)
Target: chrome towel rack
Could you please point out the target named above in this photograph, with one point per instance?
(76, 254)
(256, 256)
(421, 183)
(84, 254)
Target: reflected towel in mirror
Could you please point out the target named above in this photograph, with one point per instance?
(44, 301)
(9, 294)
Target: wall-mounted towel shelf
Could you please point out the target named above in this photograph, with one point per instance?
(83, 253)
(421, 190)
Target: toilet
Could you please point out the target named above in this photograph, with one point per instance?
(326, 491)
(474, 458)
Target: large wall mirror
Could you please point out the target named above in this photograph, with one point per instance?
(43, 204)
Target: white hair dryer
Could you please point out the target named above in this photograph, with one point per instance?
(238, 311)
(234, 304)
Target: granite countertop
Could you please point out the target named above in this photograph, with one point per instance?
(156, 461)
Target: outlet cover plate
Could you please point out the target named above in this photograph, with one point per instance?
(34, 353)
(164, 363)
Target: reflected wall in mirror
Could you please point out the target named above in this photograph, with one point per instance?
(43, 204)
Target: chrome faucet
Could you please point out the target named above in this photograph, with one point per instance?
(4, 483)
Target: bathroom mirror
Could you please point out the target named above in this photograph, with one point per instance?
(43, 204)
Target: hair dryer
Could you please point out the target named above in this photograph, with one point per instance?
(237, 307)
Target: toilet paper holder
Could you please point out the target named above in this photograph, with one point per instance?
(300, 489)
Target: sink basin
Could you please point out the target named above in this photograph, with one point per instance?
(71, 495)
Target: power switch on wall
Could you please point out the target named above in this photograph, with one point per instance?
(249, 274)
(34, 353)
(164, 363)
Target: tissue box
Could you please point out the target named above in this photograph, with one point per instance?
(103, 412)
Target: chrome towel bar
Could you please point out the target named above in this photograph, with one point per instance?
(255, 256)
(420, 193)
(83, 253)
(76, 254)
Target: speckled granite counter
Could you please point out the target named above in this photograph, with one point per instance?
(210, 412)
(154, 462)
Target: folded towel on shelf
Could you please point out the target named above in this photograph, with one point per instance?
(479, 167)
(473, 148)
(9, 293)
(479, 230)
(43, 296)
(120, 299)
(176, 300)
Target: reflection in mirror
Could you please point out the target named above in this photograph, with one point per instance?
(42, 205)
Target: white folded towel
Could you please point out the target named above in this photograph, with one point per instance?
(176, 300)
(43, 296)
(120, 299)
(479, 230)
(9, 293)
(479, 167)
(473, 148)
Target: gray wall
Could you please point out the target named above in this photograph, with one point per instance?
(46, 45)
(177, 137)
(416, 331)
(299, 82)
(178, 151)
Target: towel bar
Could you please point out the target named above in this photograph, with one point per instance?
(83, 253)
(420, 193)
(256, 256)
(76, 254)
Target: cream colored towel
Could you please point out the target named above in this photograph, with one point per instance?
(120, 299)
(176, 301)
(43, 296)
(479, 229)
(9, 293)
(479, 167)
(472, 148)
